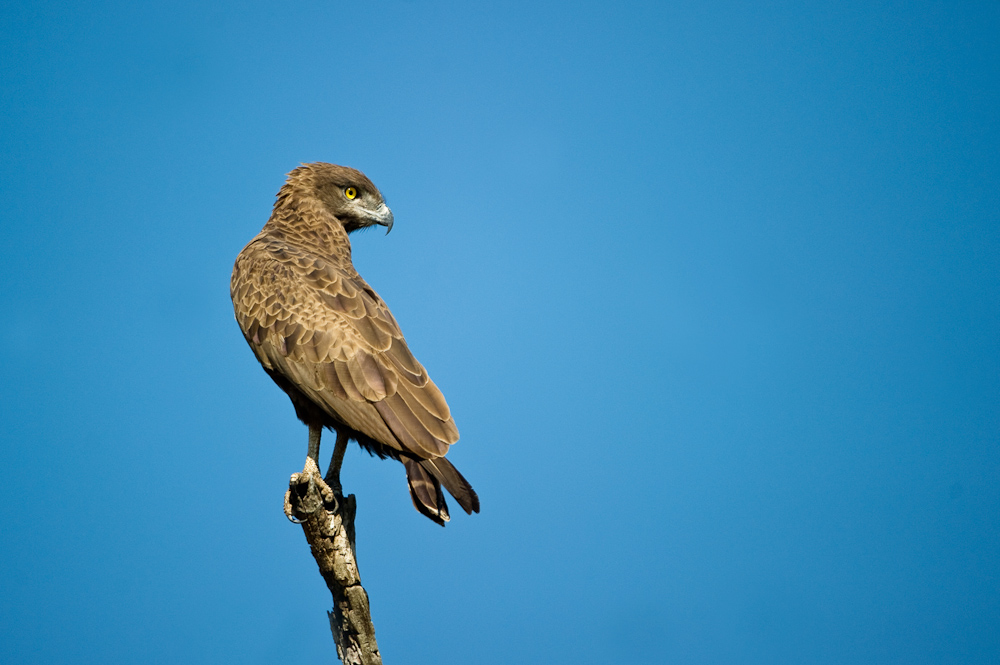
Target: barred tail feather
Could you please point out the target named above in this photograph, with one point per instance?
(456, 484)
(425, 490)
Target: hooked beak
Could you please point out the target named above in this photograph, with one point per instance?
(383, 217)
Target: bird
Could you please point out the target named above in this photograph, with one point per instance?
(328, 340)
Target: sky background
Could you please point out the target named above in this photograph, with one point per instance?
(713, 291)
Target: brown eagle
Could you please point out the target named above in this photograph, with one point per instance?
(329, 341)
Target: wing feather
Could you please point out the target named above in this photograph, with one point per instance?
(331, 381)
(326, 330)
(441, 428)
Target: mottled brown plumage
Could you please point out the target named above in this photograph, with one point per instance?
(329, 341)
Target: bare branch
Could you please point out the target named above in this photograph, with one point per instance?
(327, 519)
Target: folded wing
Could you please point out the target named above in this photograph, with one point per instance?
(333, 337)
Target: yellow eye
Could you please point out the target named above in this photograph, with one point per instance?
(350, 192)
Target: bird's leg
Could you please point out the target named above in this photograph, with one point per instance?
(307, 500)
(314, 433)
(333, 473)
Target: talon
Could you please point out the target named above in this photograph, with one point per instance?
(325, 490)
(329, 494)
(288, 505)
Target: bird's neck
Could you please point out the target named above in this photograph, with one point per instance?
(306, 223)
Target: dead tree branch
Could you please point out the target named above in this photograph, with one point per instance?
(327, 519)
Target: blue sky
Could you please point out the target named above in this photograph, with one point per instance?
(712, 290)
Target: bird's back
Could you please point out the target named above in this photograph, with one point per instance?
(312, 320)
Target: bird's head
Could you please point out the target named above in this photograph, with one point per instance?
(347, 193)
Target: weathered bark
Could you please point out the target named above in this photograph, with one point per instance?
(327, 519)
